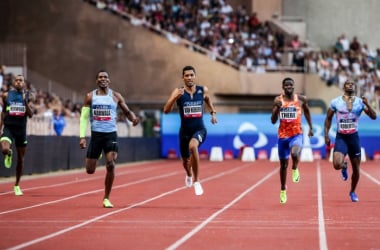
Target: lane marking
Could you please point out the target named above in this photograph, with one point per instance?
(74, 173)
(369, 176)
(68, 229)
(321, 219)
(214, 215)
(91, 192)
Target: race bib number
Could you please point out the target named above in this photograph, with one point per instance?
(192, 111)
(101, 112)
(17, 109)
(347, 126)
(288, 114)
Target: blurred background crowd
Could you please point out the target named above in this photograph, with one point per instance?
(234, 36)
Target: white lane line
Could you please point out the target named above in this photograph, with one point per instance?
(321, 219)
(370, 176)
(91, 192)
(68, 229)
(214, 215)
(75, 172)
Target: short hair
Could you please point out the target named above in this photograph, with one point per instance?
(101, 71)
(349, 81)
(187, 68)
(287, 79)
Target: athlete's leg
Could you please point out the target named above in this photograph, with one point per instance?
(338, 160)
(186, 162)
(20, 163)
(5, 145)
(283, 172)
(283, 155)
(90, 165)
(355, 162)
(193, 146)
(110, 175)
(295, 154)
(340, 152)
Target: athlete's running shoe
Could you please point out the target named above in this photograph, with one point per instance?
(189, 181)
(344, 171)
(198, 188)
(107, 203)
(17, 190)
(8, 159)
(283, 197)
(296, 175)
(354, 197)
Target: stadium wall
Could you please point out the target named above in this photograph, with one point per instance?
(326, 20)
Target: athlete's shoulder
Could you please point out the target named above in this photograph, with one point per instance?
(302, 98)
(200, 87)
(278, 97)
(337, 99)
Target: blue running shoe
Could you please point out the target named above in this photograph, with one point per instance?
(354, 197)
(345, 172)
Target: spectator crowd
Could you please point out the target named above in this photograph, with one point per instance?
(240, 37)
(349, 59)
(235, 36)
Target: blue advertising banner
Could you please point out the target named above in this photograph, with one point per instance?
(233, 131)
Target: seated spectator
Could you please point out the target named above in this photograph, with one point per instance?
(295, 43)
(355, 45)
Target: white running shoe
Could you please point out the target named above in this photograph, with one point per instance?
(198, 188)
(189, 181)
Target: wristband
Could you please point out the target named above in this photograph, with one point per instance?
(213, 112)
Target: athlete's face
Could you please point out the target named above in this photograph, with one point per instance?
(349, 87)
(189, 78)
(288, 87)
(19, 82)
(103, 80)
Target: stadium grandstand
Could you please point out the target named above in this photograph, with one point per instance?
(241, 50)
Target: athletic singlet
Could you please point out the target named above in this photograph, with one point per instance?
(191, 109)
(15, 110)
(290, 118)
(347, 121)
(103, 112)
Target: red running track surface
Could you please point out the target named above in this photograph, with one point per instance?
(239, 209)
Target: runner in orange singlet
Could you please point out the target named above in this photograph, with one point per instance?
(288, 107)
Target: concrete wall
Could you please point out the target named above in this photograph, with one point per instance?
(326, 19)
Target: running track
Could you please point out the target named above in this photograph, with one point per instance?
(240, 209)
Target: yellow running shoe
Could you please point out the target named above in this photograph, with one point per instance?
(283, 197)
(8, 159)
(17, 190)
(296, 175)
(107, 203)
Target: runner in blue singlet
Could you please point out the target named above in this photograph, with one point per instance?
(100, 106)
(190, 101)
(348, 109)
